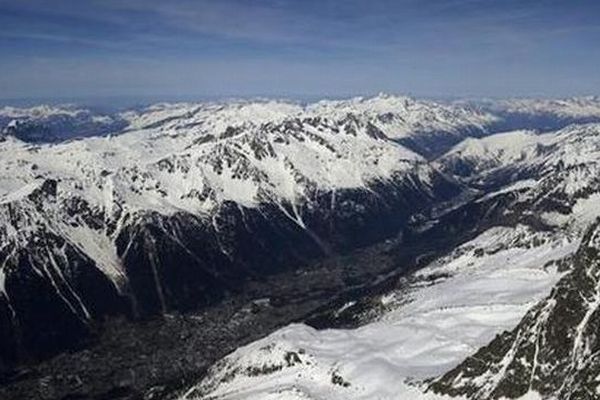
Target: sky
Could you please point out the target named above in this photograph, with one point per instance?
(301, 48)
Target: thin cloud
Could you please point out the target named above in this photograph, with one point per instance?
(438, 46)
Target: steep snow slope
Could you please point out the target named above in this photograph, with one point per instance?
(473, 156)
(553, 350)
(443, 314)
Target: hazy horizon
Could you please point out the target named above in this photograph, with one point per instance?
(116, 103)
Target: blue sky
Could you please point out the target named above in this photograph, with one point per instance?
(304, 48)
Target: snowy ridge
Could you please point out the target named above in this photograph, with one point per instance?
(494, 151)
(172, 155)
(211, 116)
(415, 122)
(570, 146)
(170, 169)
(400, 117)
(397, 116)
(100, 184)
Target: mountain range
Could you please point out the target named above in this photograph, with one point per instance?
(485, 211)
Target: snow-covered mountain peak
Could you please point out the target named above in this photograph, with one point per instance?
(573, 145)
(211, 116)
(382, 103)
(398, 117)
(403, 116)
(553, 174)
(503, 147)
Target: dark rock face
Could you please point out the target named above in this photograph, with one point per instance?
(157, 262)
(7, 336)
(52, 294)
(553, 350)
(182, 262)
